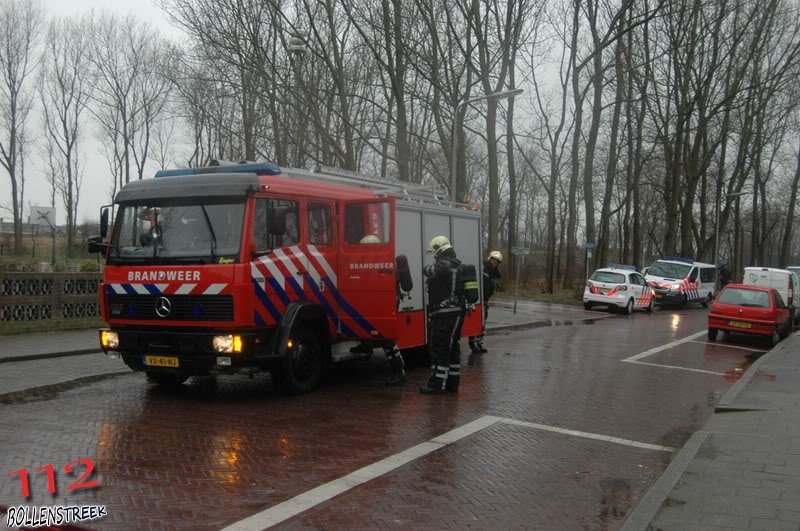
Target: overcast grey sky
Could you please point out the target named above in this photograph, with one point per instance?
(96, 182)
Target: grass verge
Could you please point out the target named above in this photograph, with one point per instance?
(562, 296)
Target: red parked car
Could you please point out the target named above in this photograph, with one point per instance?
(753, 310)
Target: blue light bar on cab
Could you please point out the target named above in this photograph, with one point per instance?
(622, 266)
(685, 259)
(259, 168)
(177, 172)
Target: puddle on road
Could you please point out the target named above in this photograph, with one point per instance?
(615, 501)
(49, 392)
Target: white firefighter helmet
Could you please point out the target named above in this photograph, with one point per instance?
(497, 255)
(439, 244)
(370, 238)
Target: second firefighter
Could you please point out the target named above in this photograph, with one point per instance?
(446, 317)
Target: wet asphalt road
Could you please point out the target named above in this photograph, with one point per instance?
(219, 450)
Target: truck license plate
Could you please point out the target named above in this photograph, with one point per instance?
(740, 324)
(161, 361)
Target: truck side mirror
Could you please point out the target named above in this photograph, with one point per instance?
(94, 244)
(103, 223)
(403, 273)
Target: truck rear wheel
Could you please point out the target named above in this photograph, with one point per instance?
(302, 366)
(166, 379)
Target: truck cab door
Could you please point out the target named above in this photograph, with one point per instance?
(322, 258)
(278, 268)
(366, 296)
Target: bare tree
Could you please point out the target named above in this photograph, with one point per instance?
(65, 89)
(20, 33)
(122, 58)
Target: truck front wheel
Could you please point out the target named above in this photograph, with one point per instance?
(301, 368)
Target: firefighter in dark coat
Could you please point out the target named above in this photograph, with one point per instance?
(491, 282)
(446, 316)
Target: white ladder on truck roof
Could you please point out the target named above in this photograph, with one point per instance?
(412, 192)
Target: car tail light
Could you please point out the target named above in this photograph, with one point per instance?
(591, 287)
(622, 287)
(789, 291)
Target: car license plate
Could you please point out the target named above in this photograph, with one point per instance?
(740, 324)
(161, 361)
(603, 290)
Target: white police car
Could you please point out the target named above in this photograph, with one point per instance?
(618, 287)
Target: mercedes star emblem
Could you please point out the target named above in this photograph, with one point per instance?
(163, 306)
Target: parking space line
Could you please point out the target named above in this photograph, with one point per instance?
(587, 435)
(656, 350)
(674, 367)
(725, 345)
(311, 498)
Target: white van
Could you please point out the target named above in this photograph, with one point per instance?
(785, 282)
(681, 280)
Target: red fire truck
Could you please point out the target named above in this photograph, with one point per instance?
(241, 268)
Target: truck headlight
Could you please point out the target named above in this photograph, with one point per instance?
(227, 344)
(109, 340)
(675, 287)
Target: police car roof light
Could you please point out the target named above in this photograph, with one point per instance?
(622, 266)
(259, 168)
(686, 259)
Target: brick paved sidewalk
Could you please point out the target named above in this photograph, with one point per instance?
(742, 471)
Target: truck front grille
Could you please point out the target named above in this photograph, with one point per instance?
(180, 307)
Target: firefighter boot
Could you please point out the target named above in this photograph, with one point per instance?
(473, 345)
(453, 378)
(436, 382)
(397, 365)
(481, 347)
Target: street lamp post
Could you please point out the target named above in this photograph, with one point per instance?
(297, 47)
(456, 123)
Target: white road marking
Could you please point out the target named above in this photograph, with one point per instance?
(674, 367)
(305, 501)
(725, 345)
(660, 348)
(310, 499)
(587, 435)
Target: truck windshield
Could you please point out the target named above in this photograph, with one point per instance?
(178, 233)
(669, 270)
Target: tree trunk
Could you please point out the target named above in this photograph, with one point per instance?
(572, 207)
(786, 241)
(512, 172)
(601, 258)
